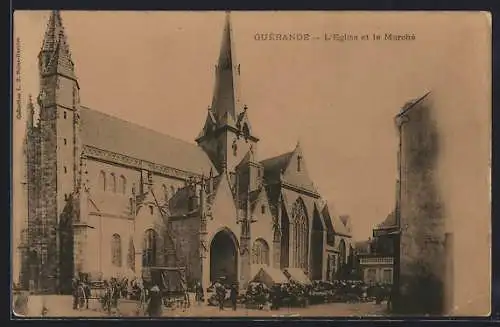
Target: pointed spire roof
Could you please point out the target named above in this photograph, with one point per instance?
(226, 106)
(55, 54)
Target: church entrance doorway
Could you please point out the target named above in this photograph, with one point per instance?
(224, 257)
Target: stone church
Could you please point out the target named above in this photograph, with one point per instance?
(106, 195)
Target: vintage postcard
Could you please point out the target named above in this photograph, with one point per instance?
(254, 164)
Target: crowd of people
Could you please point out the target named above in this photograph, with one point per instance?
(223, 294)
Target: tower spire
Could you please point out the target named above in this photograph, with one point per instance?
(55, 56)
(226, 97)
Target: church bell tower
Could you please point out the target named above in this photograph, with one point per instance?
(227, 134)
(59, 144)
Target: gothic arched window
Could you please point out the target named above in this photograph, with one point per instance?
(113, 183)
(260, 252)
(116, 250)
(123, 184)
(300, 235)
(149, 251)
(102, 181)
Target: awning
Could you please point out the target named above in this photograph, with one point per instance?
(297, 275)
(269, 276)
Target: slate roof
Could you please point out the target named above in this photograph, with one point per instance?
(273, 166)
(389, 222)
(120, 136)
(338, 226)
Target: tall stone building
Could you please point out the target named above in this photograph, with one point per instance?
(420, 211)
(437, 235)
(106, 195)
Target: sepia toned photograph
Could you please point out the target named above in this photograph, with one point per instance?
(251, 164)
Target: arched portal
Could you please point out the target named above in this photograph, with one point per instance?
(224, 257)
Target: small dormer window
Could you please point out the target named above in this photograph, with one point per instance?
(65, 115)
(299, 162)
(263, 209)
(151, 211)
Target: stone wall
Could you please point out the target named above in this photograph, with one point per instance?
(421, 217)
(49, 195)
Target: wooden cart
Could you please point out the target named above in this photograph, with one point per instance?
(172, 284)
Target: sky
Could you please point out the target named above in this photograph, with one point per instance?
(338, 98)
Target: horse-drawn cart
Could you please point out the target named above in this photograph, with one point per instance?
(172, 284)
(93, 287)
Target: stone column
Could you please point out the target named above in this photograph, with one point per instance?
(138, 262)
(245, 255)
(276, 244)
(324, 258)
(205, 274)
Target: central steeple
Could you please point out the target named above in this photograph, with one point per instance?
(226, 104)
(227, 134)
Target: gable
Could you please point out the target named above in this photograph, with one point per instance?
(260, 201)
(223, 201)
(296, 171)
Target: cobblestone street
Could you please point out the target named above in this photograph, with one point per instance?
(61, 306)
